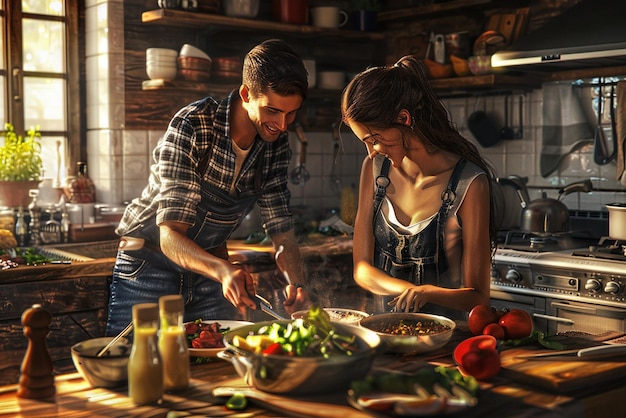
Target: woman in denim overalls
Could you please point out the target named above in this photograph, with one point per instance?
(422, 237)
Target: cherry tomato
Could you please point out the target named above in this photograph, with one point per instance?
(479, 317)
(495, 330)
(517, 323)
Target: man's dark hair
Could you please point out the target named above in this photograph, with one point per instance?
(273, 65)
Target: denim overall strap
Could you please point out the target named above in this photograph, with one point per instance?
(381, 180)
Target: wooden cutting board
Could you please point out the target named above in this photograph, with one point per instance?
(560, 375)
(311, 406)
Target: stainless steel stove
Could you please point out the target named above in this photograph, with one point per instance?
(565, 282)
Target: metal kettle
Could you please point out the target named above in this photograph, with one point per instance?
(545, 215)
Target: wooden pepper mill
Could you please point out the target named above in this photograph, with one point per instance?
(36, 379)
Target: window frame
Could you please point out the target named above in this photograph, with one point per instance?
(75, 101)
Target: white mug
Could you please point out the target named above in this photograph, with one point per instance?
(328, 17)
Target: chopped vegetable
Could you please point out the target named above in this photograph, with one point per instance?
(237, 402)
(311, 335)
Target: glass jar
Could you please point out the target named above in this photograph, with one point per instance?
(173, 343)
(80, 189)
(145, 368)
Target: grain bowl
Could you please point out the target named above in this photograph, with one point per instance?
(410, 333)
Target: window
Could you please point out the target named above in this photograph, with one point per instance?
(39, 76)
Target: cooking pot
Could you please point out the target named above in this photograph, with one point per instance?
(617, 220)
(548, 216)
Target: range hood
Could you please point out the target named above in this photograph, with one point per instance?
(590, 34)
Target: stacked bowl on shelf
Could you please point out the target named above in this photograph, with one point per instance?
(161, 63)
(194, 64)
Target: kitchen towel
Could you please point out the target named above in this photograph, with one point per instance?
(620, 115)
(565, 126)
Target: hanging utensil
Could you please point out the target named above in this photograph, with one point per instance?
(600, 146)
(519, 132)
(506, 132)
(300, 174)
(335, 181)
(614, 136)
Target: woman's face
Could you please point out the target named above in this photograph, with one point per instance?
(387, 142)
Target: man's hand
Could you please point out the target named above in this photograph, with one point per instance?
(296, 299)
(238, 288)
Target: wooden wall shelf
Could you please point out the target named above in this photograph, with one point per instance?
(207, 21)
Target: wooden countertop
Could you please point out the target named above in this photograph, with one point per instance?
(501, 397)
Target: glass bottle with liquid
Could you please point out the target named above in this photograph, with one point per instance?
(145, 368)
(81, 189)
(173, 343)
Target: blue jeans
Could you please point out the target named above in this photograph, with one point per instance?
(142, 276)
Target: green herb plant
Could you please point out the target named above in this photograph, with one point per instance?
(20, 157)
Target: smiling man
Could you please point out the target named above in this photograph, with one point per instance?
(217, 159)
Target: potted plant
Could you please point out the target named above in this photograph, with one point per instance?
(364, 14)
(20, 166)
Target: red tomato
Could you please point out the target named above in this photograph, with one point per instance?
(477, 343)
(517, 323)
(482, 364)
(495, 330)
(479, 317)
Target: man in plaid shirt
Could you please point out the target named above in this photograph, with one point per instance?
(217, 159)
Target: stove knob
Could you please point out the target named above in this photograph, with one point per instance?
(495, 274)
(513, 276)
(612, 287)
(593, 286)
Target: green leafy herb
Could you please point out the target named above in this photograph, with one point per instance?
(20, 158)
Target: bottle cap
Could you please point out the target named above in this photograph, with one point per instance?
(145, 312)
(171, 303)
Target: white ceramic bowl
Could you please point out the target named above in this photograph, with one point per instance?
(108, 371)
(347, 316)
(161, 52)
(188, 50)
(167, 73)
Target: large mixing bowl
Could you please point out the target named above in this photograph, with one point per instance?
(108, 371)
(383, 324)
(301, 375)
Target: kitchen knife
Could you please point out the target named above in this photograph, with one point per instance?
(599, 351)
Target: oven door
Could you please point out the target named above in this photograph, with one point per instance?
(534, 305)
(564, 316)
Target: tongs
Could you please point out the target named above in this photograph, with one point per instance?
(600, 351)
(267, 307)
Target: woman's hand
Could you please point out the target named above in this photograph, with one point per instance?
(411, 300)
(296, 299)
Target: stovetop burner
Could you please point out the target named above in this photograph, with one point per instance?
(607, 248)
(531, 242)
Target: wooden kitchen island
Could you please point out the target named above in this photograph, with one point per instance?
(500, 398)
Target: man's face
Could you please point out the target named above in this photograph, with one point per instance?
(271, 113)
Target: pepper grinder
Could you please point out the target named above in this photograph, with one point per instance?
(36, 379)
(21, 229)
